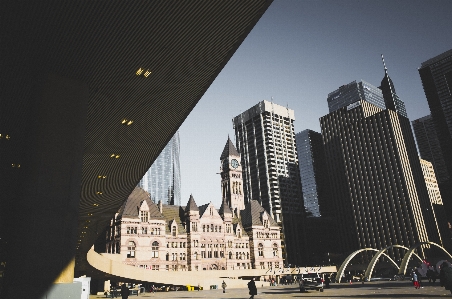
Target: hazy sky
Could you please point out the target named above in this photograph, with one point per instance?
(300, 51)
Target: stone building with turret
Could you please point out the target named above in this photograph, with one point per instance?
(191, 238)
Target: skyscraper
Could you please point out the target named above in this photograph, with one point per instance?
(353, 92)
(162, 180)
(436, 76)
(378, 187)
(266, 141)
(313, 173)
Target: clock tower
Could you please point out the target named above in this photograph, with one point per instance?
(231, 177)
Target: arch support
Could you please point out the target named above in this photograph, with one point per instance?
(381, 252)
(407, 256)
(344, 265)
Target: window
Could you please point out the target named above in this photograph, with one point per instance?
(195, 255)
(230, 255)
(203, 228)
(173, 230)
(155, 267)
(260, 250)
(167, 257)
(131, 250)
(155, 249)
(144, 230)
(275, 249)
(144, 216)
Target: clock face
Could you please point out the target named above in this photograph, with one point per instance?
(234, 163)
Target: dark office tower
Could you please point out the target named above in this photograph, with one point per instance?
(162, 180)
(353, 92)
(266, 141)
(313, 173)
(377, 184)
(436, 76)
(390, 96)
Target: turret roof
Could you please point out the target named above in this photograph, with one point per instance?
(191, 205)
(229, 150)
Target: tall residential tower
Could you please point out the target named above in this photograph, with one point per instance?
(266, 141)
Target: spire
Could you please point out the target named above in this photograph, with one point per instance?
(383, 59)
(392, 101)
(229, 150)
(191, 205)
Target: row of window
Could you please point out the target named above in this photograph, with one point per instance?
(133, 230)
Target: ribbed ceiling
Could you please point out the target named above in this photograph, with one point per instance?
(185, 44)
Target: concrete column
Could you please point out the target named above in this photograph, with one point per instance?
(42, 211)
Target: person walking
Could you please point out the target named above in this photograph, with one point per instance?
(223, 285)
(252, 288)
(124, 291)
(415, 282)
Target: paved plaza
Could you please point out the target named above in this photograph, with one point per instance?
(387, 289)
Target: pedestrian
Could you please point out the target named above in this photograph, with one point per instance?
(419, 278)
(252, 288)
(124, 291)
(415, 282)
(327, 281)
(223, 285)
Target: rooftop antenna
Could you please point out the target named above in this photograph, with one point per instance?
(383, 59)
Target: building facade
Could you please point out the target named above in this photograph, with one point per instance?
(429, 146)
(173, 238)
(436, 77)
(266, 141)
(313, 172)
(163, 179)
(436, 201)
(378, 188)
(353, 92)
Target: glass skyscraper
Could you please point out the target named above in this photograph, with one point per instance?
(313, 173)
(162, 180)
(354, 92)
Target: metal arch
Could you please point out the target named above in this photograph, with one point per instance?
(407, 256)
(347, 260)
(374, 260)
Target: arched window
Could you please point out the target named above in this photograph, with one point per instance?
(195, 255)
(131, 250)
(260, 249)
(275, 249)
(167, 256)
(173, 230)
(230, 255)
(155, 249)
(247, 255)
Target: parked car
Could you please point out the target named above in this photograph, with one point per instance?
(311, 281)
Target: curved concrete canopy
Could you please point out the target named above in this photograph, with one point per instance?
(407, 256)
(374, 260)
(91, 93)
(345, 263)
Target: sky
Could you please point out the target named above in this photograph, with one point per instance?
(297, 53)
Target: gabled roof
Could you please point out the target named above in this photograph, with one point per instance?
(251, 215)
(130, 208)
(191, 205)
(170, 213)
(229, 150)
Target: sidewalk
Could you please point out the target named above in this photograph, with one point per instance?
(391, 289)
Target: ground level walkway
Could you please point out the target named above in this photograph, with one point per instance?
(382, 289)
